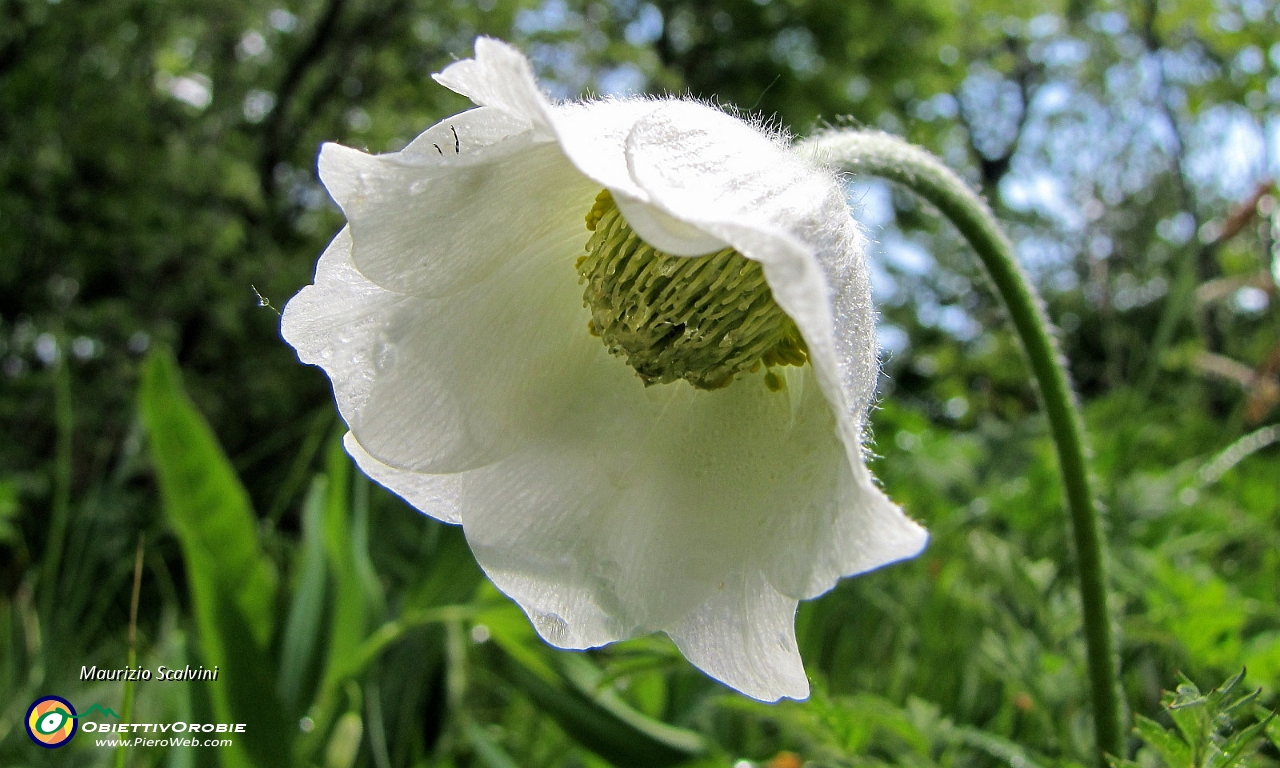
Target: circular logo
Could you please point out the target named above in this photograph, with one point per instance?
(51, 721)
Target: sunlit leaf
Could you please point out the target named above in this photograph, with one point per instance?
(232, 584)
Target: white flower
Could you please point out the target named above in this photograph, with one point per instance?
(449, 315)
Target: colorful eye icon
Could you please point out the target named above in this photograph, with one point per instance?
(51, 721)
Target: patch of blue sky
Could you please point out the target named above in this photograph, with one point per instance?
(1187, 65)
(905, 255)
(550, 16)
(1044, 193)
(1272, 133)
(1063, 53)
(1044, 25)
(624, 80)
(1109, 22)
(1228, 151)
(958, 322)
(1048, 261)
(1250, 60)
(940, 106)
(892, 339)
(949, 318)
(886, 290)
(1051, 98)
(646, 27)
(872, 204)
(560, 68)
(986, 93)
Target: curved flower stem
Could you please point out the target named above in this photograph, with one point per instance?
(889, 157)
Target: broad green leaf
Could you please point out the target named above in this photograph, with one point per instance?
(232, 584)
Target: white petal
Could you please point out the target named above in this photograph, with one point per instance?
(474, 137)
(592, 135)
(444, 385)
(642, 502)
(723, 177)
(433, 495)
(862, 532)
(664, 231)
(432, 229)
(744, 636)
(700, 165)
(499, 76)
(336, 324)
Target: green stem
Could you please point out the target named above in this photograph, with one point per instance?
(889, 157)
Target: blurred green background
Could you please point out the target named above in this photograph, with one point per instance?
(157, 178)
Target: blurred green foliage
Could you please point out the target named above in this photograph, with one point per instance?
(157, 179)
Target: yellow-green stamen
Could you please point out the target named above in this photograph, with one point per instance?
(704, 319)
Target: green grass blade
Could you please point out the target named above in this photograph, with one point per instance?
(351, 618)
(353, 604)
(594, 727)
(487, 750)
(579, 670)
(306, 611)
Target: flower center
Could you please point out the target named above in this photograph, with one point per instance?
(704, 319)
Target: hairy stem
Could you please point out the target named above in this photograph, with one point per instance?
(878, 154)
